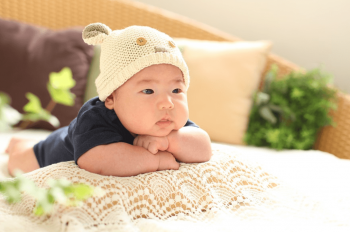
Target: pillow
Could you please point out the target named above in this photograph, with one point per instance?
(224, 76)
(28, 54)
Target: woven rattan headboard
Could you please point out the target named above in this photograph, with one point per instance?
(117, 14)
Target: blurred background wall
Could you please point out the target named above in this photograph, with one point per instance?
(310, 33)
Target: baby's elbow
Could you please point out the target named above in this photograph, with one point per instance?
(207, 150)
(207, 156)
(88, 163)
(200, 158)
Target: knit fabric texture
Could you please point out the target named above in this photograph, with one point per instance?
(126, 52)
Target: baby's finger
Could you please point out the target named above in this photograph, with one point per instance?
(175, 166)
(163, 144)
(153, 148)
(139, 142)
(136, 141)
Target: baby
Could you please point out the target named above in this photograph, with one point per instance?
(139, 121)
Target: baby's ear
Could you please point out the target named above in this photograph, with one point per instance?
(109, 102)
(95, 33)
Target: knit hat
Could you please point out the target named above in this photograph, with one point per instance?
(126, 52)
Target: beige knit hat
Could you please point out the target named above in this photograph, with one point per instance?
(128, 51)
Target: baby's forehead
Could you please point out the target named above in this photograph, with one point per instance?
(158, 73)
(156, 81)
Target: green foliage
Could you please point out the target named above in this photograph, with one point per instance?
(8, 115)
(61, 191)
(4, 100)
(59, 87)
(288, 113)
(181, 48)
(35, 112)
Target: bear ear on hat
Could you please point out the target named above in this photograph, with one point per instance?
(95, 33)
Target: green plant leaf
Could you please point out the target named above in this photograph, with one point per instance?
(59, 86)
(8, 117)
(59, 195)
(53, 120)
(273, 135)
(10, 190)
(39, 210)
(62, 96)
(270, 77)
(262, 98)
(82, 192)
(42, 115)
(35, 112)
(61, 191)
(275, 108)
(4, 99)
(34, 104)
(31, 117)
(62, 80)
(182, 48)
(267, 114)
(297, 93)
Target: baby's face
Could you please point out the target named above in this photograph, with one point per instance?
(152, 102)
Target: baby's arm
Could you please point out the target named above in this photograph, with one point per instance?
(122, 159)
(190, 145)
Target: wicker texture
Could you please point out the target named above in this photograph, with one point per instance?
(118, 14)
(336, 140)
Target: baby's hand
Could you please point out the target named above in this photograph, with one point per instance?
(152, 143)
(167, 161)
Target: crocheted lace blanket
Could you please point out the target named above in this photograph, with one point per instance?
(227, 193)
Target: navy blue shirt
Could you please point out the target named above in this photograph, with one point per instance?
(95, 125)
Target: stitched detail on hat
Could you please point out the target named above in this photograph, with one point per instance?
(172, 44)
(160, 49)
(141, 41)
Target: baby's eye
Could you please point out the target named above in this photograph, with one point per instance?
(177, 91)
(148, 91)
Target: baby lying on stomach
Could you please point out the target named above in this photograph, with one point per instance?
(139, 121)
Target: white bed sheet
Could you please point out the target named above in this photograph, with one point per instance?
(312, 172)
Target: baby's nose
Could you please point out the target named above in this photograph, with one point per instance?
(166, 106)
(166, 103)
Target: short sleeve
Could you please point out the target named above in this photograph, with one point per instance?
(92, 128)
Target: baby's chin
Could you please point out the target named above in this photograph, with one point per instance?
(159, 133)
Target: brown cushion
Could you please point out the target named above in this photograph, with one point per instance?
(28, 54)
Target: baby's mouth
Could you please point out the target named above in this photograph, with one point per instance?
(164, 122)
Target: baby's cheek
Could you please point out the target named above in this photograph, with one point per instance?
(182, 119)
(185, 111)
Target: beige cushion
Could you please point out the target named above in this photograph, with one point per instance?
(223, 78)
